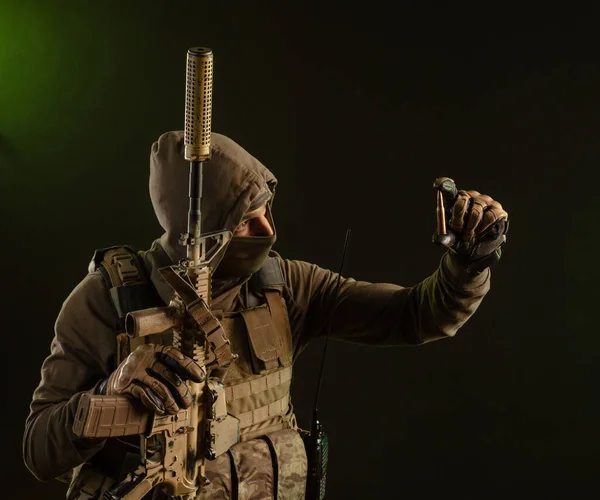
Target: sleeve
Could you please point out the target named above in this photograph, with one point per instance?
(381, 314)
(82, 353)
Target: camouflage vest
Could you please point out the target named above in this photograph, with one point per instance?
(270, 460)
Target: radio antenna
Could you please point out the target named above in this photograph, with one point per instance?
(317, 442)
(330, 322)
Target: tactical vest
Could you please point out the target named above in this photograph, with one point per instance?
(257, 384)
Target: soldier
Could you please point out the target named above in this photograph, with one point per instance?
(270, 308)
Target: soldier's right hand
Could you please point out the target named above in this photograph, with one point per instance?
(155, 375)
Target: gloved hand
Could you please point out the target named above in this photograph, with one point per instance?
(477, 225)
(155, 375)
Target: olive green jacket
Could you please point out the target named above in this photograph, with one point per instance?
(83, 350)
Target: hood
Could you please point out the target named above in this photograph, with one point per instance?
(233, 182)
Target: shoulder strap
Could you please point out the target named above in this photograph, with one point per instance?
(270, 281)
(268, 277)
(126, 279)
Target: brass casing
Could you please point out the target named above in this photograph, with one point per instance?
(441, 214)
(198, 104)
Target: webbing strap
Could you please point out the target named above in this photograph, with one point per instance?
(274, 409)
(269, 277)
(248, 435)
(126, 279)
(281, 325)
(129, 287)
(258, 385)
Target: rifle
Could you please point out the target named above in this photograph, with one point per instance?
(174, 448)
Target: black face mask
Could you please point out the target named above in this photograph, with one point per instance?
(244, 256)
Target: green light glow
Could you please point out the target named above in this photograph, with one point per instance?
(30, 48)
(58, 80)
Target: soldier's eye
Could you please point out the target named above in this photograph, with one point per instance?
(243, 225)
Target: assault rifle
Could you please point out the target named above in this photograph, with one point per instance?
(174, 448)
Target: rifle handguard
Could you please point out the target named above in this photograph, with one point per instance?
(150, 321)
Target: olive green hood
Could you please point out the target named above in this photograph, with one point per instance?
(233, 182)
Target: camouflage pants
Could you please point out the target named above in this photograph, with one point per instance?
(267, 468)
(272, 467)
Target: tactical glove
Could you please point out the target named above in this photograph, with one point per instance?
(155, 375)
(478, 225)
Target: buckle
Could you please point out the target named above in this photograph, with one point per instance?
(126, 269)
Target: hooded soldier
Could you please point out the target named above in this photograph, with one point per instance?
(269, 307)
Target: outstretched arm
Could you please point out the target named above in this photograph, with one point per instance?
(382, 313)
(386, 314)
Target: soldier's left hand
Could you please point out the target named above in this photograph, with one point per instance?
(473, 213)
(478, 224)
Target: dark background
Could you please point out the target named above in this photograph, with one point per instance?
(356, 109)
